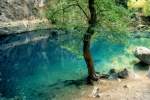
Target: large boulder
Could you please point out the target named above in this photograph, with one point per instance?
(143, 54)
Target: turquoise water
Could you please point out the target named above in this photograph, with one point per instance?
(42, 70)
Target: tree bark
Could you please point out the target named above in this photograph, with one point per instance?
(87, 39)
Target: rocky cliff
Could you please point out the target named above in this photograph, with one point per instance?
(22, 15)
(11, 10)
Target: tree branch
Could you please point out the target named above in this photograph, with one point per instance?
(82, 10)
(62, 9)
(71, 5)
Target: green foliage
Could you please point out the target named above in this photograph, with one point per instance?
(65, 14)
(146, 9)
(112, 17)
(112, 20)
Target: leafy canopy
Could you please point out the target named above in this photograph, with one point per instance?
(66, 14)
(112, 20)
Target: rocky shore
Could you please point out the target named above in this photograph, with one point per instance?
(128, 89)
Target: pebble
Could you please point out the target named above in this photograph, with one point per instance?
(96, 92)
(125, 86)
(98, 95)
(119, 80)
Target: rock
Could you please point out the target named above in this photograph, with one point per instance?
(143, 54)
(20, 9)
(98, 95)
(115, 75)
(112, 74)
(95, 92)
(125, 86)
(119, 80)
(18, 16)
(104, 76)
(112, 71)
(123, 74)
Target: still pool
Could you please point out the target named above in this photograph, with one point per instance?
(34, 66)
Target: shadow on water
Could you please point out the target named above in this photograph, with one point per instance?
(76, 83)
(140, 66)
(51, 91)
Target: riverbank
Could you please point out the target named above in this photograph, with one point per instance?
(129, 89)
(133, 88)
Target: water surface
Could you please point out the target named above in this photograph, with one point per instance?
(34, 66)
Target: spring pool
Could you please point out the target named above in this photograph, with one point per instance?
(33, 65)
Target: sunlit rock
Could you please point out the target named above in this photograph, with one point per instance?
(143, 54)
(95, 93)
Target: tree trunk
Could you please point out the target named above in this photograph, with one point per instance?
(87, 39)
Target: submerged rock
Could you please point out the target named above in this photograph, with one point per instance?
(123, 74)
(114, 75)
(112, 71)
(143, 54)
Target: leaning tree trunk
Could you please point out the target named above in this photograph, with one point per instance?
(87, 39)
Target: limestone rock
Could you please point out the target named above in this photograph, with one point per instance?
(12, 10)
(143, 54)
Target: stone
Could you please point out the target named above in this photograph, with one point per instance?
(95, 92)
(119, 80)
(98, 95)
(112, 74)
(112, 71)
(20, 9)
(125, 86)
(104, 76)
(143, 54)
(123, 74)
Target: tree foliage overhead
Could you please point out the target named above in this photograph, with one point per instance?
(66, 13)
(144, 5)
(112, 19)
(146, 8)
(71, 14)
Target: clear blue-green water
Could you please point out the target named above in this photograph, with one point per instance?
(43, 70)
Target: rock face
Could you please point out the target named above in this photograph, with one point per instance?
(143, 54)
(18, 16)
(11, 10)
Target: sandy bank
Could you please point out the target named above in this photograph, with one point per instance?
(128, 89)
